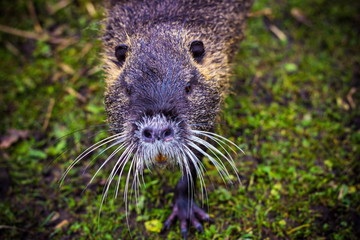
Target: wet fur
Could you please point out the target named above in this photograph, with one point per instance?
(148, 88)
(158, 64)
(151, 81)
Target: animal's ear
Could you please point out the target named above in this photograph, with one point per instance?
(120, 53)
(197, 50)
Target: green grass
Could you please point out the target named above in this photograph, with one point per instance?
(292, 110)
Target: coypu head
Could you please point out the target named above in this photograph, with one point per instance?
(167, 69)
(159, 96)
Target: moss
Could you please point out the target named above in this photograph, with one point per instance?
(292, 110)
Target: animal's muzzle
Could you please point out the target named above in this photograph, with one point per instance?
(151, 134)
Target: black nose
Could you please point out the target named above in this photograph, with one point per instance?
(151, 134)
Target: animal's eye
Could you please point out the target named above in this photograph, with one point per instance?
(120, 53)
(197, 50)
(188, 87)
(128, 91)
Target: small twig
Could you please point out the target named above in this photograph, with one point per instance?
(56, 7)
(91, 9)
(300, 16)
(25, 34)
(67, 68)
(341, 193)
(263, 12)
(350, 98)
(48, 114)
(297, 228)
(61, 224)
(85, 50)
(94, 70)
(63, 42)
(278, 33)
(12, 49)
(72, 91)
(9, 46)
(34, 18)
(16, 228)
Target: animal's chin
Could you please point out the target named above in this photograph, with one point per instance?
(159, 153)
(161, 159)
(159, 140)
(161, 165)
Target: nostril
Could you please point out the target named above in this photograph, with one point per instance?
(151, 134)
(147, 133)
(168, 134)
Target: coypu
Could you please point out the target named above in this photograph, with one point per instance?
(167, 67)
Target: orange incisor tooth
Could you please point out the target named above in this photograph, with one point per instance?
(160, 158)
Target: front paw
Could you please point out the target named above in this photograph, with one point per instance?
(186, 211)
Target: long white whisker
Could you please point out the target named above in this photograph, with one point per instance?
(136, 181)
(190, 188)
(219, 141)
(126, 193)
(126, 159)
(199, 169)
(88, 151)
(214, 150)
(118, 149)
(137, 159)
(219, 136)
(216, 163)
(222, 144)
(101, 152)
(121, 161)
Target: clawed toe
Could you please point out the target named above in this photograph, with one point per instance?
(199, 228)
(169, 221)
(194, 216)
(202, 215)
(184, 234)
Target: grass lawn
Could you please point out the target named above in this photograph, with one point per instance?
(294, 109)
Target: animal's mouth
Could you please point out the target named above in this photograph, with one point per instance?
(183, 150)
(160, 158)
(159, 140)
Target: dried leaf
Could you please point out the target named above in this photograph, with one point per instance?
(300, 16)
(262, 12)
(290, 67)
(61, 224)
(67, 68)
(91, 9)
(58, 6)
(278, 33)
(55, 217)
(12, 137)
(350, 98)
(73, 92)
(48, 113)
(153, 225)
(342, 104)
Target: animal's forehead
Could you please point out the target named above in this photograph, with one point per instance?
(159, 40)
(158, 51)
